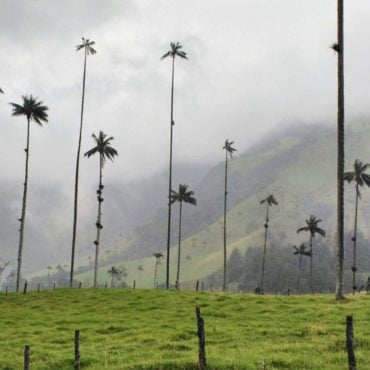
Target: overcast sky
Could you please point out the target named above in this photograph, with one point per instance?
(253, 66)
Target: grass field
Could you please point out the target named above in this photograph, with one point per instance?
(144, 329)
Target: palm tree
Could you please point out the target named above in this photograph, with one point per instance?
(300, 251)
(115, 274)
(175, 50)
(339, 48)
(1, 91)
(103, 147)
(312, 228)
(34, 111)
(270, 201)
(183, 195)
(158, 259)
(229, 150)
(87, 45)
(360, 178)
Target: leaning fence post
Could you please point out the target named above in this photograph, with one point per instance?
(197, 286)
(27, 357)
(202, 340)
(77, 350)
(25, 287)
(350, 344)
(79, 285)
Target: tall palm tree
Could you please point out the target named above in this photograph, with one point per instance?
(182, 196)
(87, 46)
(339, 48)
(115, 274)
(300, 251)
(360, 178)
(270, 201)
(1, 91)
(229, 150)
(34, 111)
(105, 150)
(158, 259)
(175, 51)
(313, 228)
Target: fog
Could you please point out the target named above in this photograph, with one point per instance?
(254, 66)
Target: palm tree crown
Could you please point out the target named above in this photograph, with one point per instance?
(358, 175)
(103, 147)
(183, 195)
(175, 51)
(301, 250)
(311, 227)
(32, 109)
(228, 147)
(270, 200)
(87, 44)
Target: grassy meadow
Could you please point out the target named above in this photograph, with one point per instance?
(144, 329)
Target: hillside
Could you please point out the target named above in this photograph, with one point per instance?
(138, 329)
(297, 165)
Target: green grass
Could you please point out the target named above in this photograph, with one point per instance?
(143, 329)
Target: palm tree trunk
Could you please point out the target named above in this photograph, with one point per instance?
(225, 207)
(98, 221)
(170, 182)
(75, 206)
(179, 252)
(299, 273)
(340, 159)
(155, 273)
(311, 265)
(111, 282)
(23, 214)
(354, 266)
(264, 248)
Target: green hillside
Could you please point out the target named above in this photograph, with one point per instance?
(298, 166)
(138, 329)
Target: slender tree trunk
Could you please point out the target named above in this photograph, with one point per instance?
(311, 264)
(179, 251)
(299, 272)
(354, 266)
(75, 206)
(170, 183)
(111, 282)
(98, 221)
(24, 202)
(155, 274)
(225, 208)
(264, 248)
(340, 165)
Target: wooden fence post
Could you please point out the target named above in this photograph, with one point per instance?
(25, 287)
(79, 285)
(134, 285)
(106, 285)
(350, 344)
(54, 286)
(77, 350)
(38, 288)
(211, 287)
(6, 290)
(197, 286)
(202, 287)
(27, 357)
(202, 340)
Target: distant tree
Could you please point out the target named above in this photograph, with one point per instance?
(229, 150)
(116, 275)
(87, 46)
(300, 251)
(270, 201)
(3, 265)
(182, 196)
(175, 51)
(339, 48)
(360, 178)
(1, 91)
(105, 150)
(34, 111)
(234, 265)
(158, 259)
(313, 228)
